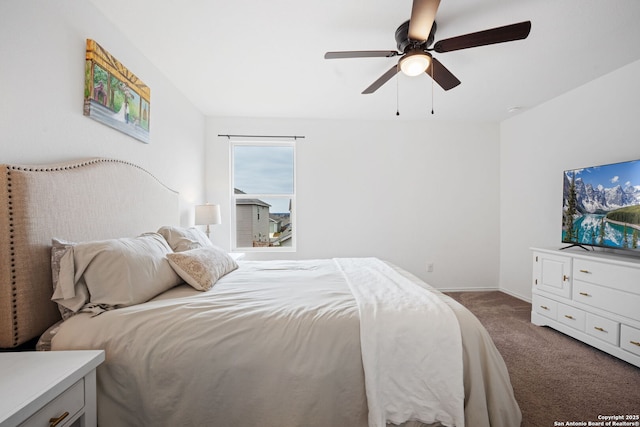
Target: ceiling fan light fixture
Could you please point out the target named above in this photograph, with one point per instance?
(415, 63)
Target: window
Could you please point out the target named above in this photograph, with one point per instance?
(263, 193)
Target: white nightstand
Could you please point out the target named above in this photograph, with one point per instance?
(38, 387)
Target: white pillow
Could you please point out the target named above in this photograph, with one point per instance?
(202, 267)
(183, 239)
(117, 272)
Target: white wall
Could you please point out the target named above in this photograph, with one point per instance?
(42, 46)
(595, 124)
(412, 193)
(407, 192)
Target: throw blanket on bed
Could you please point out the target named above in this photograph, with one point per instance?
(411, 347)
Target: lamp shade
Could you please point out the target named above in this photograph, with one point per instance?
(207, 214)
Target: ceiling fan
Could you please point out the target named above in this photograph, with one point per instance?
(415, 37)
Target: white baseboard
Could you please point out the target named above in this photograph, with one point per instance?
(467, 289)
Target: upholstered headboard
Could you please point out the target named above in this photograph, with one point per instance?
(78, 201)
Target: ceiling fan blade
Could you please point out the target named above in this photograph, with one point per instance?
(442, 75)
(382, 80)
(423, 13)
(507, 33)
(361, 54)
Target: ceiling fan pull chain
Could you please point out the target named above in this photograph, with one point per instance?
(397, 96)
(432, 88)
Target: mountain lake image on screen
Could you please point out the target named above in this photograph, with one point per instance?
(601, 206)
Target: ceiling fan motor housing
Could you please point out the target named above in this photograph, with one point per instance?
(403, 42)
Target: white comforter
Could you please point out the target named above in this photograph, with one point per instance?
(272, 344)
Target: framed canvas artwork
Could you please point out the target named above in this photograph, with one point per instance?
(114, 96)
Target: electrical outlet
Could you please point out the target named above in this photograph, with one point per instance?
(429, 267)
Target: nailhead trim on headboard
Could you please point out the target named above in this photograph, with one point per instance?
(15, 331)
(78, 165)
(12, 253)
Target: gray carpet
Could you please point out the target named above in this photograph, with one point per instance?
(555, 377)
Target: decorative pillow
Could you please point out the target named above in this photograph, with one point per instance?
(117, 272)
(201, 268)
(183, 239)
(60, 247)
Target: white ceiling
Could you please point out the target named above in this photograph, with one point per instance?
(251, 58)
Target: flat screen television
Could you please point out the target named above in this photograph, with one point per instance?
(601, 206)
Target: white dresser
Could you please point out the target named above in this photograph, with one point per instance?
(591, 296)
(52, 388)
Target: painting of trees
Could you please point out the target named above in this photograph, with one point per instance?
(570, 214)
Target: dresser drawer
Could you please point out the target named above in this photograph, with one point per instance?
(612, 300)
(544, 306)
(604, 329)
(571, 316)
(610, 275)
(69, 401)
(630, 339)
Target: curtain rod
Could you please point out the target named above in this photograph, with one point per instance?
(264, 136)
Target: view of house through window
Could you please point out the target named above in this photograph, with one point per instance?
(263, 181)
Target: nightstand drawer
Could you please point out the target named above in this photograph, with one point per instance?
(545, 306)
(630, 339)
(571, 316)
(604, 329)
(70, 401)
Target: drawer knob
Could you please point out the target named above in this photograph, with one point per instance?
(585, 271)
(53, 422)
(584, 294)
(598, 328)
(635, 343)
(569, 317)
(544, 307)
(565, 278)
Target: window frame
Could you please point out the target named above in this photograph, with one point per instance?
(234, 197)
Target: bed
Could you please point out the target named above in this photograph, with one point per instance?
(206, 340)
